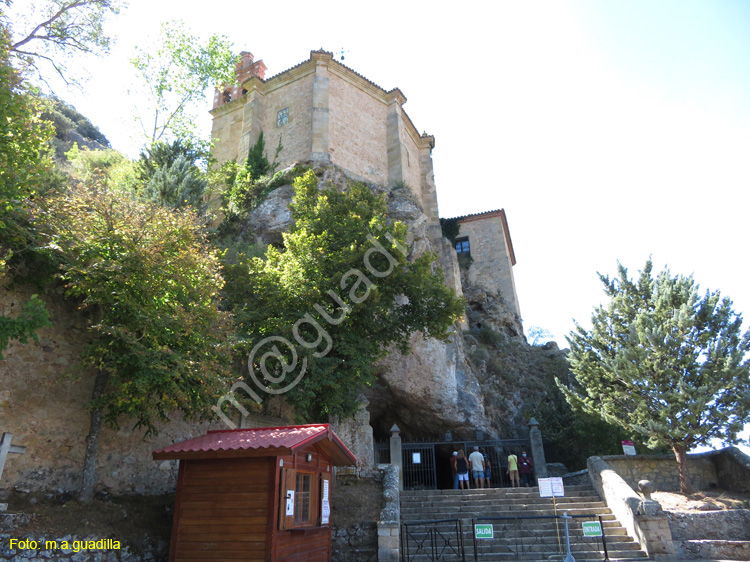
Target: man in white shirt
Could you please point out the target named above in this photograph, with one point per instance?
(476, 460)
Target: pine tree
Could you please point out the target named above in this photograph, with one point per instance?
(664, 363)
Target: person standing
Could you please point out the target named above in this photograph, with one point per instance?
(487, 471)
(477, 467)
(462, 469)
(454, 471)
(525, 467)
(513, 470)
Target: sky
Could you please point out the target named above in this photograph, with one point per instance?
(608, 131)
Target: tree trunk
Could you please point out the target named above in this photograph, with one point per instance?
(680, 453)
(92, 442)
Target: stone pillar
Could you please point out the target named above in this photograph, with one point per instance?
(537, 449)
(390, 516)
(428, 193)
(252, 115)
(320, 145)
(393, 139)
(396, 455)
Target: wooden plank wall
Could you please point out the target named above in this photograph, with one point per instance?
(222, 511)
(310, 544)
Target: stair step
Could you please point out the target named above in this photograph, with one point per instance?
(525, 526)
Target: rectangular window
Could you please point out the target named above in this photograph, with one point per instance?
(303, 499)
(282, 117)
(462, 246)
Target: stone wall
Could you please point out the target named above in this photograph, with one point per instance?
(357, 133)
(724, 525)
(492, 263)
(733, 469)
(43, 406)
(662, 471)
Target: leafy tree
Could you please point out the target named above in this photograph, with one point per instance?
(149, 283)
(664, 363)
(177, 71)
(24, 166)
(170, 175)
(341, 292)
(47, 33)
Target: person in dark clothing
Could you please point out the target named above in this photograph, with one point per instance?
(462, 469)
(525, 467)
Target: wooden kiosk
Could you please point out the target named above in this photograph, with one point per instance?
(255, 494)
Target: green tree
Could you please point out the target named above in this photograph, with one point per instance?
(177, 71)
(149, 282)
(24, 166)
(170, 175)
(664, 363)
(49, 32)
(340, 293)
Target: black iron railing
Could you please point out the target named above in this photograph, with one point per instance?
(515, 537)
(435, 540)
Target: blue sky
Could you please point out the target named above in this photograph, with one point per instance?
(607, 130)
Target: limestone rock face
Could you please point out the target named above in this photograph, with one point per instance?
(434, 388)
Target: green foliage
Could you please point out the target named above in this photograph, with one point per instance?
(257, 164)
(85, 164)
(24, 166)
(23, 141)
(33, 316)
(176, 72)
(70, 127)
(170, 175)
(247, 193)
(149, 282)
(451, 229)
(323, 276)
(663, 362)
(48, 33)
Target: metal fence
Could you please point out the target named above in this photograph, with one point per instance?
(514, 538)
(439, 540)
(426, 464)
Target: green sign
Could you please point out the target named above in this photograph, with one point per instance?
(484, 531)
(592, 529)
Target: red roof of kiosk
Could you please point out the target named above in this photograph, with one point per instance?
(261, 442)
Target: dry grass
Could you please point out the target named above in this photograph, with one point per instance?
(712, 500)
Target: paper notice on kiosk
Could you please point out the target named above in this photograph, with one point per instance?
(325, 508)
(289, 503)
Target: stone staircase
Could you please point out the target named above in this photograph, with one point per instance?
(536, 537)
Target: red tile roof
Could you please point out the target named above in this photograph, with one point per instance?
(260, 441)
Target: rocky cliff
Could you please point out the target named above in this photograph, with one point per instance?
(479, 379)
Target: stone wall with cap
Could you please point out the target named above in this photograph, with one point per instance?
(662, 471)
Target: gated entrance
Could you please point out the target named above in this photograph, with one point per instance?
(426, 464)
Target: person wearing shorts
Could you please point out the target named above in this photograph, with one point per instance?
(513, 470)
(462, 469)
(476, 460)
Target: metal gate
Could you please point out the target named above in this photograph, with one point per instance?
(438, 540)
(422, 465)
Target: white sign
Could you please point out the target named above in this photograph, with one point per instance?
(628, 448)
(551, 487)
(325, 510)
(416, 458)
(289, 503)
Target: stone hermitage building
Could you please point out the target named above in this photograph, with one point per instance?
(323, 111)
